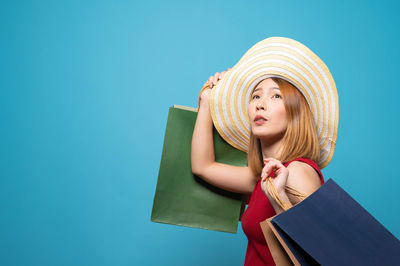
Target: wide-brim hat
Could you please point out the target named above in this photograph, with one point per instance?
(287, 59)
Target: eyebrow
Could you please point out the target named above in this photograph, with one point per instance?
(273, 88)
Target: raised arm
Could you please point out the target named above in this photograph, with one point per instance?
(228, 177)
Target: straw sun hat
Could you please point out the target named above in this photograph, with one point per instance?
(287, 59)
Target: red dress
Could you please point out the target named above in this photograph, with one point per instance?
(258, 210)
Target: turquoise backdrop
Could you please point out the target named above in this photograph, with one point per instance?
(85, 90)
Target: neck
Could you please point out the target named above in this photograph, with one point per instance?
(271, 149)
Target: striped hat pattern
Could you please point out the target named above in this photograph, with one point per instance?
(287, 59)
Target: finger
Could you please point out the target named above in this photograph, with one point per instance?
(215, 78)
(278, 168)
(263, 178)
(272, 166)
(266, 161)
(269, 159)
(263, 172)
(277, 163)
(269, 169)
(272, 160)
(267, 165)
(266, 171)
(222, 74)
(263, 185)
(210, 81)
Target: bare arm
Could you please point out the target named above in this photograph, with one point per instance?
(232, 178)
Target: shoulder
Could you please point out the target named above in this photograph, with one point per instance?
(307, 165)
(303, 169)
(303, 176)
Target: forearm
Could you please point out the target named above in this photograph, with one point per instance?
(202, 151)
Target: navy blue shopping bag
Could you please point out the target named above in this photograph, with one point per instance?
(331, 228)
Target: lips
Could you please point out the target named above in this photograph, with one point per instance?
(260, 118)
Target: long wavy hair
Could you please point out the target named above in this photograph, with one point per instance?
(300, 138)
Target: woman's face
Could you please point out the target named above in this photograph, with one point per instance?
(267, 114)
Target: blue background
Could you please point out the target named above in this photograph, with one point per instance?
(85, 90)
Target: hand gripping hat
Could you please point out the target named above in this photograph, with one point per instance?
(287, 59)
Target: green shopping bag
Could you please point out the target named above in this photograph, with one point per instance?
(182, 198)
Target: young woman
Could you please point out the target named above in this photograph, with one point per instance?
(284, 141)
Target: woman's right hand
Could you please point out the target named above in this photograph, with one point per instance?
(212, 81)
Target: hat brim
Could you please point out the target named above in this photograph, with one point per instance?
(284, 58)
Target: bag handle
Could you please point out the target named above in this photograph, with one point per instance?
(275, 195)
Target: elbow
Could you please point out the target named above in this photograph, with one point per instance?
(196, 172)
(196, 162)
(196, 169)
(199, 167)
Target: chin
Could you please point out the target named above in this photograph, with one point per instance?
(263, 134)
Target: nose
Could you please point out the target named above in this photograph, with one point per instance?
(260, 106)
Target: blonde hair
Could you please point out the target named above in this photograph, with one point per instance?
(300, 139)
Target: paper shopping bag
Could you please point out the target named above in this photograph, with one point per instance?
(182, 198)
(280, 254)
(331, 228)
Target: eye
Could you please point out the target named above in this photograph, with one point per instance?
(255, 96)
(275, 96)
